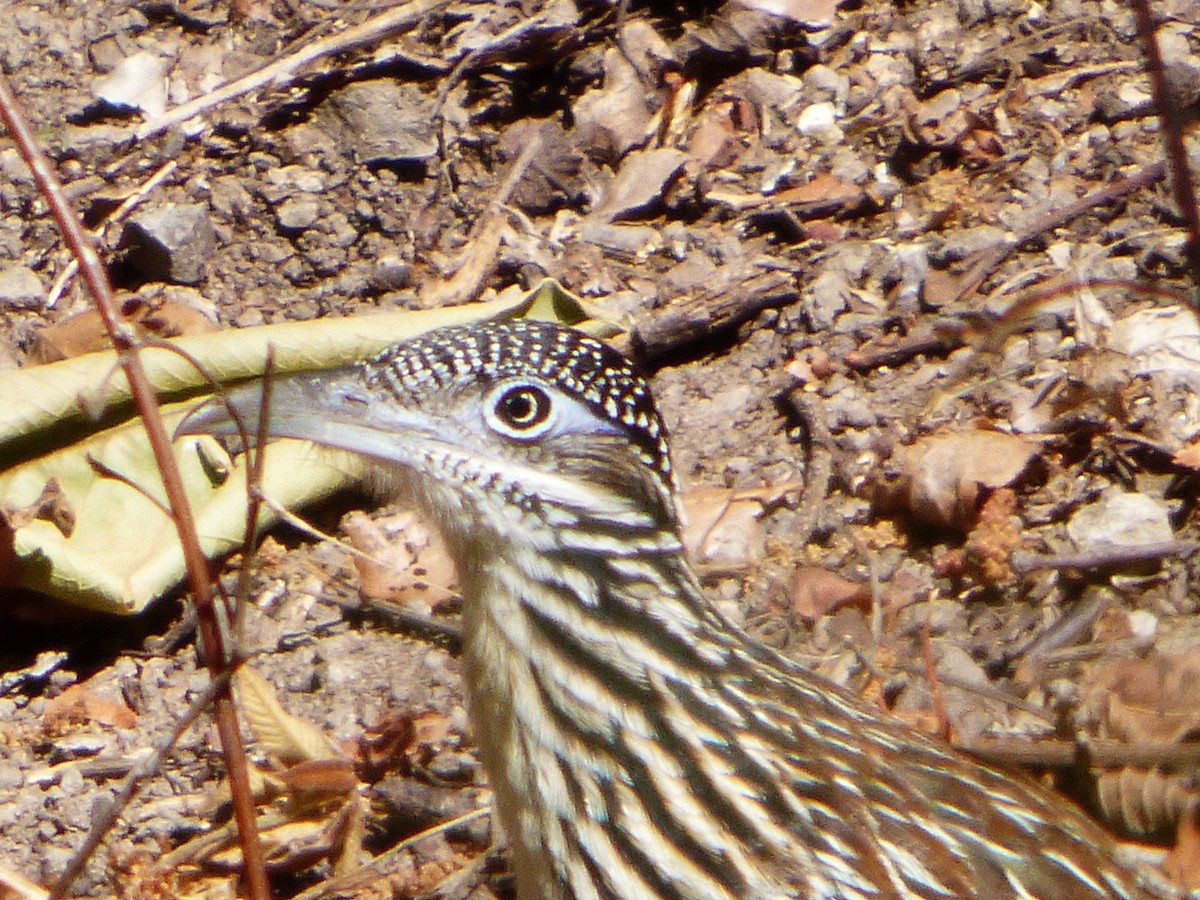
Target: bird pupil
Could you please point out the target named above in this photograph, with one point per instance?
(524, 407)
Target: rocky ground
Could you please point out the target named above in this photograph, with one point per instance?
(846, 241)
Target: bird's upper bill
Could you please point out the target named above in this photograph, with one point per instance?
(334, 409)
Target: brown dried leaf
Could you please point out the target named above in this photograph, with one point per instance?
(609, 121)
(824, 189)
(80, 705)
(941, 287)
(320, 778)
(384, 747)
(641, 181)
(291, 847)
(944, 476)
(1183, 862)
(1188, 457)
(352, 832)
(405, 561)
(723, 531)
(817, 592)
(432, 728)
(280, 734)
(722, 133)
(85, 331)
(1153, 700)
(555, 176)
(52, 505)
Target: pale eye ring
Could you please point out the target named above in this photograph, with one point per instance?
(522, 410)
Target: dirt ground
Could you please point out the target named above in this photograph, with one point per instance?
(846, 241)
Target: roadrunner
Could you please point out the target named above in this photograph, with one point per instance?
(639, 745)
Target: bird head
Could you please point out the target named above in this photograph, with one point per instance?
(496, 426)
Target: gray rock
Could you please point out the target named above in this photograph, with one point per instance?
(297, 214)
(386, 122)
(171, 243)
(20, 288)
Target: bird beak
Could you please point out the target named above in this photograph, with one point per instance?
(334, 409)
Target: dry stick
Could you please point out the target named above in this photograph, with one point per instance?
(988, 691)
(374, 29)
(1097, 752)
(257, 457)
(1171, 113)
(1056, 218)
(348, 880)
(935, 685)
(104, 470)
(986, 331)
(479, 260)
(1103, 556)
(125, 342)
(1013, 318)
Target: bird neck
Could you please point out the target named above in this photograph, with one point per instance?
(569, 631)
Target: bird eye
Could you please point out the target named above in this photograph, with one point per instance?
(521, 410)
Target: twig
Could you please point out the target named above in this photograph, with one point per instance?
(937, 339)
(1102, 557)
(990, 260)
(125, 341)
(935, 685)
(988, 690)
(1062, 754)
(374, 29)
(128, 205)
(347, 882)
(406, 621)
(482, 249)
(1068, 631)
(725, 306)
(1171, 114)
(818, 461)
(104, 470)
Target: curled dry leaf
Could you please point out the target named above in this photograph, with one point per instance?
(1154, 700)
(85, 332)
(640, 182)
(316, 779)
(612, 119)
(52, 506)
(719, 137)
(404, 561)
(944, 477)
(383, 747)
(1188, 456)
